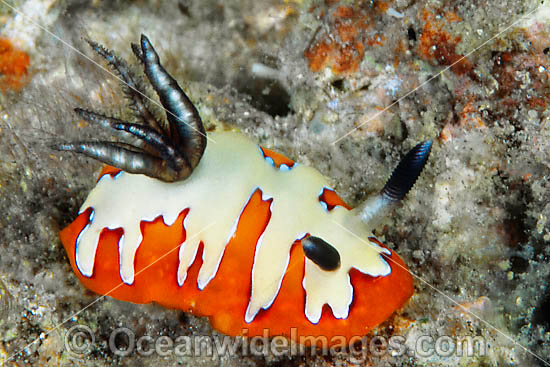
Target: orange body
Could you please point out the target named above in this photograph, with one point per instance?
(14, 64)
(224, 300)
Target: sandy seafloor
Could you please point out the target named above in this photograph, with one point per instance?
(310, 79)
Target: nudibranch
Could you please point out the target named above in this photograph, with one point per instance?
(228, 229)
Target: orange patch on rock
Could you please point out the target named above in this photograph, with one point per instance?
(536, 102)
(532, 91)
(400, 49)
(382, 6)
(13, 66)
(469, 119)
(376, 40)
(341, 48)
(438, 46)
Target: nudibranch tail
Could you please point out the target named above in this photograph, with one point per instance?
(169, 154)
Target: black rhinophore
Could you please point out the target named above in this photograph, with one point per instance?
(409, 168)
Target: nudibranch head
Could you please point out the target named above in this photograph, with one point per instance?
(229, 231)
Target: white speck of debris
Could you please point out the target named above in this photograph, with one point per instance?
(541, 223)
(392, 86)
(263, 71)
(394, 13)
(333, 104)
